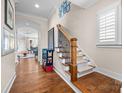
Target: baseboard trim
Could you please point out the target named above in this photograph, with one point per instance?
(9, 84)
(68, 82)
(109, 73)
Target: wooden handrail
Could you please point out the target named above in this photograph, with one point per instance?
(62, 29)
(73, 51)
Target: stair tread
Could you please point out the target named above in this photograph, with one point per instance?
(77, 63)
(64, 57)
(62, 47)
(81, 62)
(63, 52)
(68, 72)
(79, 55)
(65, 64)
(84, 68)
(59, 47)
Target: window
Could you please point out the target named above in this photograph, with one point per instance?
(7, 42)
(11, 41)
(109, 29)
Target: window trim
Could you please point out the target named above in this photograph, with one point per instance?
(8, 51)
(118, 25)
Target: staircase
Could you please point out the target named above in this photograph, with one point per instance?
(84, 65)
(71, 61)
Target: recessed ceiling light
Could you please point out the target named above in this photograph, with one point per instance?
(37, 5)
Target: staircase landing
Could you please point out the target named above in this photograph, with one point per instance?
(98, 83)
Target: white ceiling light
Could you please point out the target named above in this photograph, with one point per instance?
(45, 6)
(37, 5)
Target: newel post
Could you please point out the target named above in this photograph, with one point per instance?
(73, 65)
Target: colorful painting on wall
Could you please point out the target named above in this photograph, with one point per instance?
(64, 8)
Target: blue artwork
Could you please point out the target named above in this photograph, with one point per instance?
(64, 8)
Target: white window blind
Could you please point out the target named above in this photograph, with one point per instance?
(108, 26)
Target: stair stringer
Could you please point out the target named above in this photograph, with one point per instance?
(84, 52)
(66, 77)
(59, 67)
(68, 35)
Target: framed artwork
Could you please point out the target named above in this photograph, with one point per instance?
(64, 8)
(8, 42)
(51, 39)
(9, 14)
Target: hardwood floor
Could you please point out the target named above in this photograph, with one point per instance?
(32, 79)
(98, 83)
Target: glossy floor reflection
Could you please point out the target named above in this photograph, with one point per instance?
(31, 78)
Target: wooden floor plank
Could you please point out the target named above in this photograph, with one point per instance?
(98, 83)
(31, 78)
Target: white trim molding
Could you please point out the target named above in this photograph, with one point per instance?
(68, 82)
(27, 15)
(115, 38)
(109, 73)
(9, 84)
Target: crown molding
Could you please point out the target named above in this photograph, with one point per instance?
(30, 15)
(53, 10)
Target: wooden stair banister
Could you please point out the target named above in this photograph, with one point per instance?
(73, 65)
(73, 51)
(61, 29)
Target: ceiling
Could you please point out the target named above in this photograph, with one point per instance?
(27, 28)
(28, 7)
(23, 22)
(84, 3)
(27, 32)
(46, 7)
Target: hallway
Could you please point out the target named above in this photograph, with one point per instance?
(80, 39)
(32, 79)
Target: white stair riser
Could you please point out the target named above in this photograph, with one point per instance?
(84, 67)
(79, 62)
(67, 54)
(83, 62)
(83, 59)
(56, 49)
(85, 73)
(63, 54)
(66, 68)
(79, 54)
(65, 60)
(60, 54)
(81, 65)
(59, 49)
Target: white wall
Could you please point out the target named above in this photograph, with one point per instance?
(34, 42)
(82, 24)
(41, 26)
(24, 43)
(7, 61)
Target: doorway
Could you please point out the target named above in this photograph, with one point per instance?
(27, 43)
